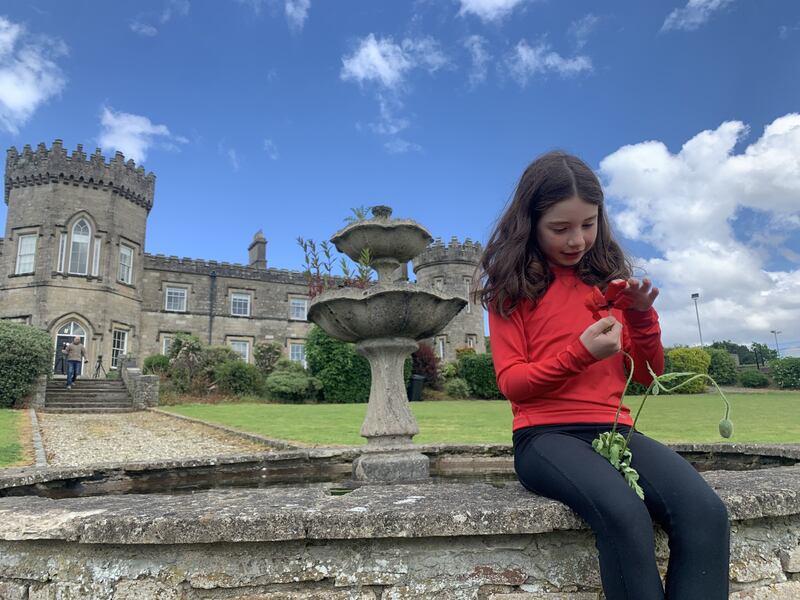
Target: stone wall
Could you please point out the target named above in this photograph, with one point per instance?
(35, 398)
(445, 542)
(142, 388)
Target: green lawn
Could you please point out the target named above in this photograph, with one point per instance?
(771, 417)
(11, 430)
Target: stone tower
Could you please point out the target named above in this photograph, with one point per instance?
(72, 260)
(451, 269)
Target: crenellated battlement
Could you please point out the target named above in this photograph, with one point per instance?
(468, 253)
(196, 266)
(43, 166)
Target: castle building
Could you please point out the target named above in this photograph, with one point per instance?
(73, 262)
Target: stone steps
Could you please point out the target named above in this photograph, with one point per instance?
(87, 396)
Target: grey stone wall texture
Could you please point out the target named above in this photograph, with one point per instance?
(49, 190)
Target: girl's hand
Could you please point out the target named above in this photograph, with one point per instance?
(642, 293)
(603, 338)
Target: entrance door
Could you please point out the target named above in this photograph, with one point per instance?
(65, 335)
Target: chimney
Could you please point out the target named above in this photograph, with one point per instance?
(258, 251)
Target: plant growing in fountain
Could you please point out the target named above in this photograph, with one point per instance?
(317, 269)
(612, 444)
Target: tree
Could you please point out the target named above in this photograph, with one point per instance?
(762, 353)
(746, 356)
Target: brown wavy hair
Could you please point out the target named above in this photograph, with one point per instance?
(513, 267)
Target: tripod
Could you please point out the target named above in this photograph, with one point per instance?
(98, 368)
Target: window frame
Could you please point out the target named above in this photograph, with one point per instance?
(293, 299)
(20, 239)
(185, 291)
(62, 252)
(239, 296)
(297, 344)
(164, 339)
(73, 242)
(115, 351)
(246, 357)
(440, 346)
(122, 249)
(468, 286)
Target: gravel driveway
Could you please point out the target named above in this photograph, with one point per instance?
(82, 439)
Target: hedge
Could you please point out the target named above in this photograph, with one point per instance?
(25, 353)
(344, 374)
(753, 379)
(786, 372)
(692, 360)
(289, 382)
(722, 367)
(478, 371)
(157, 364)
(239, 378)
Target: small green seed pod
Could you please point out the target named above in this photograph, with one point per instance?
(726, 428)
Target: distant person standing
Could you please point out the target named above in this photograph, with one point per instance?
(74, 354)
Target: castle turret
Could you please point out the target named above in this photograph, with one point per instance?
(72, 259)
(451, 268)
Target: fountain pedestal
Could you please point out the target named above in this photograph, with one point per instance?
(389, 424)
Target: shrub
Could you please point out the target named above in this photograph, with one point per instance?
(239, 378)
(181, 340)
(478, 371)
(157, 364)
(25, 353)
(211, 357)
(266, 356)
(449, 370)
(786, 372)
(344, 374)
(723, 366)
(635, 389)
(753, 379)
(692, 360)
(463, 350)
(425, 362)
(457, 387)
(289, 382)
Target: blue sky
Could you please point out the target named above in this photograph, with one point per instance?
(281, 115)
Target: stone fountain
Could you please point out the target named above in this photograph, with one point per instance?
(385, 321)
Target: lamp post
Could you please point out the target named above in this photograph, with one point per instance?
(695, 296)
(775, 332)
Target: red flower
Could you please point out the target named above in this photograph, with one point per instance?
(596, 301)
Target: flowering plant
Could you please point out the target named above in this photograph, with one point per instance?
(612, 444)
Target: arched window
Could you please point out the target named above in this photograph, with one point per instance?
(79, 250)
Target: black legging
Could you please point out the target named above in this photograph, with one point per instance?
(558, 461)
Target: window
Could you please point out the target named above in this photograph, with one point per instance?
(26, 252)
(297, 352)
(472, 341)
(441, 345)
(242, 348)
(240, 305)
(176, 299)
(166, 344)
(119, 346)
(62, 251)
(298, 309)
(96, 258)
(467, 287)
(125, 264)
(438, 283)
(79, 252)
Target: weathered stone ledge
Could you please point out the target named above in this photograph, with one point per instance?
(395, 511)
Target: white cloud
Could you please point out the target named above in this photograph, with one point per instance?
(173, 8)
(29, 75)
(385, 65)
(383, 62)
(143, 29)
(476, 45)
(582, 28)
(693, 15)
(134, 135)
(526, 61)
(271, 149)
(297, 13)
(685, 205)
(233, 158)
(489, 10)
(401, 146)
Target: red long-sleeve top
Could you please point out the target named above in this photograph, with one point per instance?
(547, 373)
